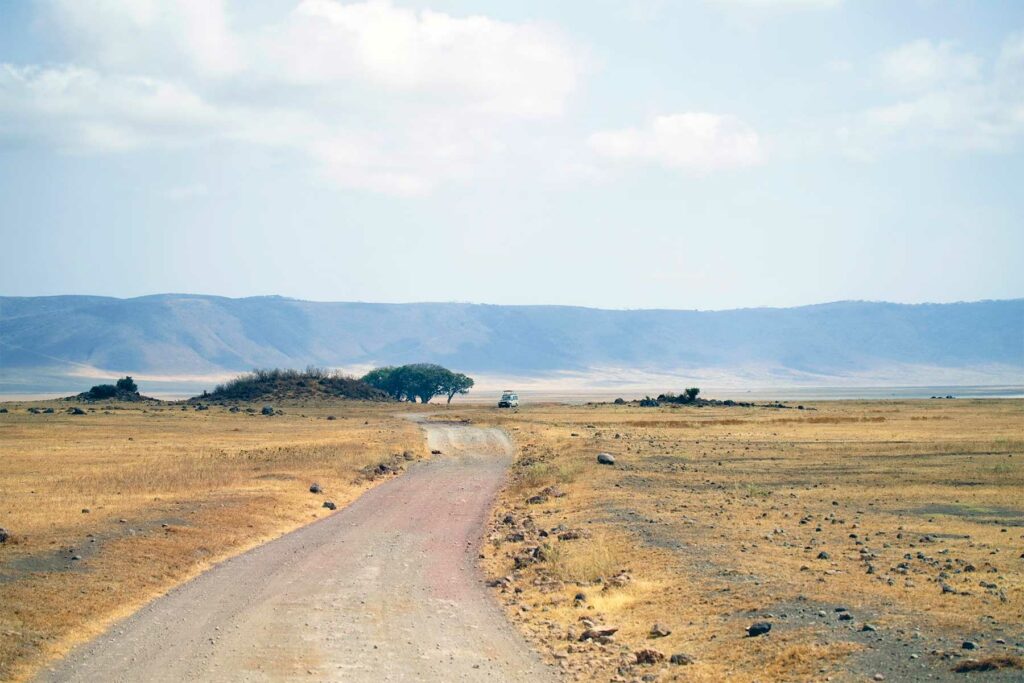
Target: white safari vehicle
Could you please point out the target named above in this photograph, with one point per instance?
(509, 399)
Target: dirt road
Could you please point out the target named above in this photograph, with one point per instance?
(386, 589)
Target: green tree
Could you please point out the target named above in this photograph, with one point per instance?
(422, 381)
(456, 383)
(691, 394)
(127, 384)
(388, 379)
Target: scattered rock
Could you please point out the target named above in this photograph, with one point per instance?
(76, 411)
(823, 555)
(648, 656)
(435, 452)
(48, 411)
(596, 632)
(758, 629)
(267, 410)
(969, 645)
(537, 500)
(869, 627)
(990, 664)
(605, 459)
(331, 417)
(681, 659)
(315, 488)
(85, 511)
(4, 535)
(658, 631)
(329, 504)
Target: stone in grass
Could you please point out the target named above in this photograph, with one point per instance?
(681, 659)
(969, 645)
(605, 459)
(658, 631)
(4, 535)
(315, 488)
(823, 555)
(267, 410)
(758, 629)
(648, 656)
(329, 504)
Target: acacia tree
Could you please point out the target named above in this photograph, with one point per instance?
(456, 383)
(421, 381)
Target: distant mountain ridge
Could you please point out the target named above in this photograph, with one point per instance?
(176, 334)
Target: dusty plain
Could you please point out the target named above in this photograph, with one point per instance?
(110, 509)
(880, 540)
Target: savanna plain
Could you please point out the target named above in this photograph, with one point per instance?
(876, 540)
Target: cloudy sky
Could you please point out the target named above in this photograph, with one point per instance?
(614, 153)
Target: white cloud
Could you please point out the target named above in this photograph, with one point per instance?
(699, 142)
(923, 64)
(151, 35)
(951, 100)
(79, 109)
(378, 97)
(493, 66)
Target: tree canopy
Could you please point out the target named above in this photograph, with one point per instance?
(419, 381)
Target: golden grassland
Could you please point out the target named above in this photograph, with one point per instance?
(713, 518)
(147, 496)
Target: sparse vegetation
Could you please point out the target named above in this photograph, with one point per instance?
(707, 524)
(278, 384)
(168, 493)
(124, 389)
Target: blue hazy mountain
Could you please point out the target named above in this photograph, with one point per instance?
(184, 334)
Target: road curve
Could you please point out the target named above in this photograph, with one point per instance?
(385, 589)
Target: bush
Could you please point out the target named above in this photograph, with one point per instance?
(101, 391)
(277, 383)
(127, 384)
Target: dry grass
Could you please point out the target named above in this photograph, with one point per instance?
(168, 493)
(719, 514)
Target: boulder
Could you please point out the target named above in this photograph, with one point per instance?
(681, 659)
(267, 410)
(76, 411)
(4, 535)
(330, 505)
(605, 459)
(758, 629)
(315, 488)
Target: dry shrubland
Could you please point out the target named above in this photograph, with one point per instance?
(907, 517)
(149, 495)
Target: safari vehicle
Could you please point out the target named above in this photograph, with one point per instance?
(509, 399)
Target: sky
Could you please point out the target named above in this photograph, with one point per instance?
(707, 154)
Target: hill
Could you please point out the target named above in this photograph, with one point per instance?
(175, 335)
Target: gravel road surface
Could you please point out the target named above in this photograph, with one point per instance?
(385, 589)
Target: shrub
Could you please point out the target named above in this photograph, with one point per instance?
(101, 391)
(127, 384)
